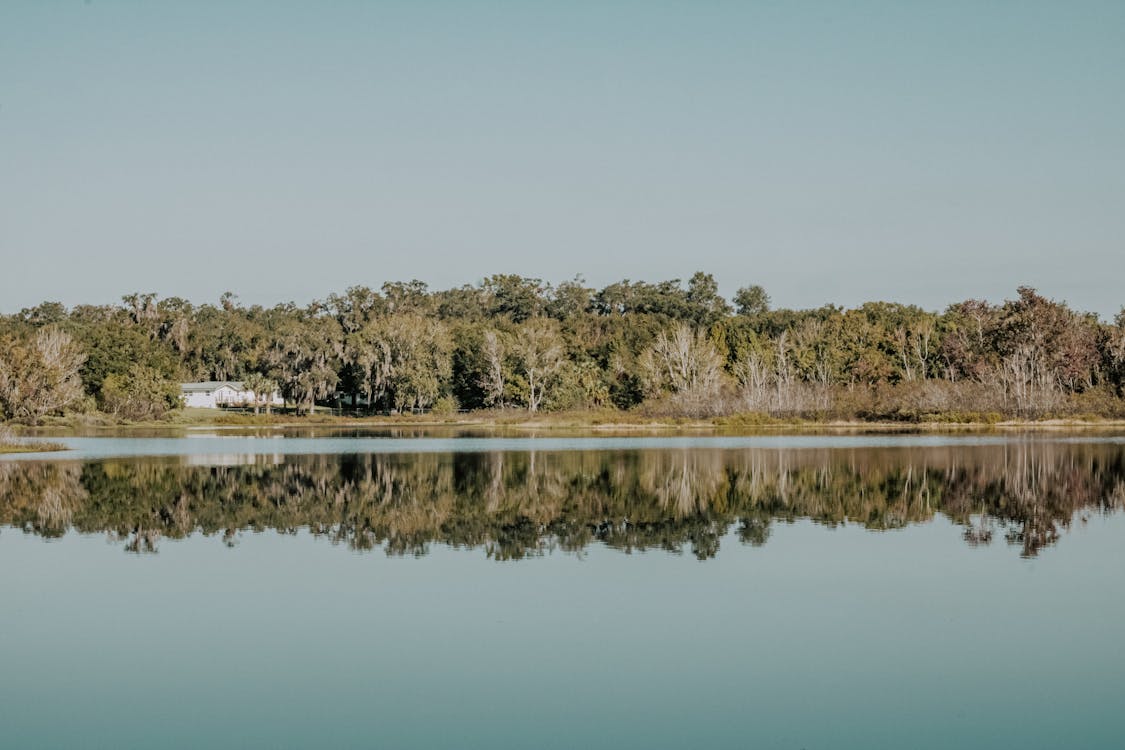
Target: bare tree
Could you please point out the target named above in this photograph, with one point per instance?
(492, 380)
(754, 375)
(784, 373)
(923, 337)
(813, 356)
(683, 361)
(1028, 381)
(539, 353)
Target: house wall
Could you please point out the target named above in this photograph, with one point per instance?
(247, 398)
(225, 395)
(200, 399)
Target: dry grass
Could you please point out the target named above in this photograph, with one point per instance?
(594, 420)
(9, 443)
(31, 447)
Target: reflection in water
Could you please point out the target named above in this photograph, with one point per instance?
(518, 504)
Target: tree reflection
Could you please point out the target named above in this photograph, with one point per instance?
(514, 505)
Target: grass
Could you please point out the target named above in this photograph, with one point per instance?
(10, 444)
(11, 447)
(595, 420)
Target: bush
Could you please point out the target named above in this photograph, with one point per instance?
(142, 393)
(85, 405)
(446, 405)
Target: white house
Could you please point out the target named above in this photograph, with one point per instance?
(214, 394)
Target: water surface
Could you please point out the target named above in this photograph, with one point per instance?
(811, 592)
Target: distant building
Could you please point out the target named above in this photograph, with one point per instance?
(214, 394)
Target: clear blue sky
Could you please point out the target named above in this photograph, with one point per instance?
(832, 152)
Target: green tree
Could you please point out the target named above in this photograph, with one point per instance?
(703, 295)
(139, 394)
(752, 300)
(303, 355)
(515, 297)
(262, 389)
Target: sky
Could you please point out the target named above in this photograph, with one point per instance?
(831, 152)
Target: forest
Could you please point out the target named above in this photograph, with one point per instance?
(661, 350)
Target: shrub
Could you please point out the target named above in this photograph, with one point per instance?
(446, 405)
(142, 393)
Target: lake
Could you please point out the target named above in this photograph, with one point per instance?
(380, 590)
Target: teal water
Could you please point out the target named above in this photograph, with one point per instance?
(271, 443)
(923, 594)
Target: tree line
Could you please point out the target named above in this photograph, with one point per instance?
(512, 505)
(512, 342)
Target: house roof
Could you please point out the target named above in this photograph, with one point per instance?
(210, 385)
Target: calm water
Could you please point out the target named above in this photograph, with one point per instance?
(774, 592)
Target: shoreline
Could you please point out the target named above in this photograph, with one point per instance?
(15, 448)
(752, 424)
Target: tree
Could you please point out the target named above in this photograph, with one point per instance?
(540, 357)
(755, 374)
(514, 296)
(40, 376)
(141, 393)
(404, 357)
(142, 311)
(1114, 347)
(684, 362)
(1046, 348)
(703, 296)
(752, 300)
(570, 299)
(263, 389)
(420, 365)
(407, 297)
(303, 355)
(492, 379)
(45, 313)
(357, 307)
(464, 303)
(967, 347)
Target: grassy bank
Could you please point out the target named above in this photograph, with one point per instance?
(21, 447)
(595, 421)
(9, 443)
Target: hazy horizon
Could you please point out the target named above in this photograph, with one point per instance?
(911, 153)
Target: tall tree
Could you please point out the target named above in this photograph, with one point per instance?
(304, 356)
(752, 300)
(540, 358)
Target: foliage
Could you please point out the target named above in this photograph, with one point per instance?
(665, 347)
(141, 393)
(262, 389)
(39, 374)
(446, 406)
